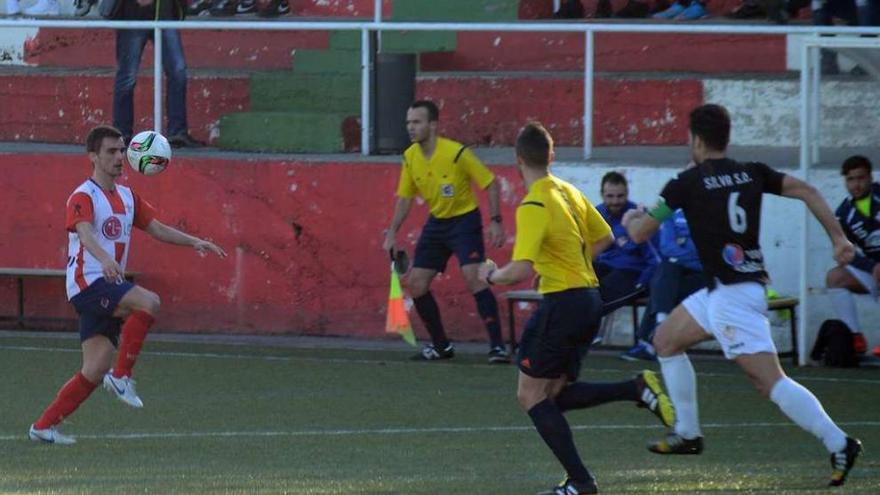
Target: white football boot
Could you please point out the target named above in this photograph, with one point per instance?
(123, 389)
(50, 435)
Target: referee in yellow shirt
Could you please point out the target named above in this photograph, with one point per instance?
(441, 171)
(558, 233)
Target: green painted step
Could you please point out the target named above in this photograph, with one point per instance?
(399, 42)
(292, 91)
(455, 10)
(283, 132)
(327, 61)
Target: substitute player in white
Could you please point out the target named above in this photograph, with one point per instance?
(100, 217)
(721, 199)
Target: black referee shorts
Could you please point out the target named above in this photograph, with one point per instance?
(559, 332)
(443, 237)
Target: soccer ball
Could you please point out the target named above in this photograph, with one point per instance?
(148, 152)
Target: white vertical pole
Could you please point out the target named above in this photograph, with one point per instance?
(366, 121)
(157, 80)
(804, 173)
(377, 18)
(556, 5)
(588, 94)
(815, 102)
(805, 106)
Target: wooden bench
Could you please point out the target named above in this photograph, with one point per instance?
(20, 274)
(528, 295)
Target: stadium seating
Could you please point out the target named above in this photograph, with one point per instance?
(247, 82)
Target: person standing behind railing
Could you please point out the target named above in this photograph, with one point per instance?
(129, 48)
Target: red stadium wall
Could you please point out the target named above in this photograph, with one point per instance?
(303, 242)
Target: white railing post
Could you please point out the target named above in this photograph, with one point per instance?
(366, 119)
(377, 18)
(805, 162)
(805, 104)
(157, 79)
(815, 103)
(588, 94)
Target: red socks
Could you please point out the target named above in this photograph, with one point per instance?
(134, 331)
(71, 395)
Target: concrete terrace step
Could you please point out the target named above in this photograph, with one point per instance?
(249, 50)
(466, 51)
(623, 52)
(61, 105)
(290, 132)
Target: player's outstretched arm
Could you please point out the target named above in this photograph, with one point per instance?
(639, 225)
(792, 187)
(171, 235)
(401, 210)
(111, 269)
(513, 272)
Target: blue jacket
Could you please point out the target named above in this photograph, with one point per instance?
(861, 231)
(676, 244)
(624, 254)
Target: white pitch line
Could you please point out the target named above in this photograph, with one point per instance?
(391, 362)
(407, 431)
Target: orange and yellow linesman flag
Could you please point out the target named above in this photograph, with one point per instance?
(397, 320)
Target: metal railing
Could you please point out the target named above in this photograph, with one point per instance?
(810, 77)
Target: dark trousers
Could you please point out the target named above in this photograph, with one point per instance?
(129, 48)
(617, 287)
(669, 286)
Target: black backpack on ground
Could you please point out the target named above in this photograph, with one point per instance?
(834, 345)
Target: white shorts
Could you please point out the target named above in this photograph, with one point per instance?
(864, 278)
(736, 315)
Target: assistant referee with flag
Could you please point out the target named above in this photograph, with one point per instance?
(442, 171)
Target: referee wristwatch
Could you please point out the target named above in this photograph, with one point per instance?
(495, 218)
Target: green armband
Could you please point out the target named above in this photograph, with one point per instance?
(661, 212)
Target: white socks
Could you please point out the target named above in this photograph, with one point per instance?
(681, 384)
(802, 407)
(844, 305)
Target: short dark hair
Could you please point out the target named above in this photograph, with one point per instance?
(96, 137)
(430, 106)
(711, 123)
(854, 162)
(534, 145)
(612, 178)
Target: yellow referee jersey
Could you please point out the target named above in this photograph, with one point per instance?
(556, 227)
(444, 181)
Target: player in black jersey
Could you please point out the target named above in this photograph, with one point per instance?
(721, 199)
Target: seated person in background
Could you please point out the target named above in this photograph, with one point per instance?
(859, 215)
(678, 275)
(625, 268)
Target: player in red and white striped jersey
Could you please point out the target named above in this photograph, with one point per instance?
(100, 218)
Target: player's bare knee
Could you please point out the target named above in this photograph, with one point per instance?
(835, 278)
(664, 345)
(153, 303)
(527, 398)
(418, 288)
(94, 372)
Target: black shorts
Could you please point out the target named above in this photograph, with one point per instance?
(95, 306)
(442, 237)
(559, 332)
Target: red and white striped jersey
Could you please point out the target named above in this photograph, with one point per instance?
(112, 214)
